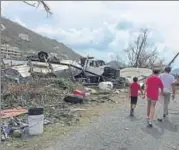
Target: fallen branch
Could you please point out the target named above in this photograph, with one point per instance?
(33, 5)
(45, 6)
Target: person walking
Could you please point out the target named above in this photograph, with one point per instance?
(168, 81)
(133, 94)
(153, 84)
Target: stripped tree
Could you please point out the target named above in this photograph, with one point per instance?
(117, 61)
(142, 54)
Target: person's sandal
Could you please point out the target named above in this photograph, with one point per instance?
(160, 120)
(131, 113)
(150, 123)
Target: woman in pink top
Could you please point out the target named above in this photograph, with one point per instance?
(153, 84)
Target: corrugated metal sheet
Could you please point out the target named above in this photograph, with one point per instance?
(23, 70)
(39, 67)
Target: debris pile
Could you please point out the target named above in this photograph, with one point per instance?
(13, 127)
(57, 96)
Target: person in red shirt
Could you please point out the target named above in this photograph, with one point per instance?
(133, 94)
(153, 84)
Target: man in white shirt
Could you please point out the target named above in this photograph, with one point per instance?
(169, 88)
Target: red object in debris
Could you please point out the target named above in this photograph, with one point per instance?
(79, 93)
(12, 112)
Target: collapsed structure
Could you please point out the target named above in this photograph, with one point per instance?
(87, 70)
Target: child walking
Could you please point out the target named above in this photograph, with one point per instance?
(133, 94)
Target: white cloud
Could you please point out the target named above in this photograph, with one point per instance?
(20, 22)
(90, 22)
(161, 16)
(4, 5)
(97, 54)
(83, 36)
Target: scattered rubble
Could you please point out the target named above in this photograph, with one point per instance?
(106, 85)
(73, 99)
(59, 97)
(12, 112)
(88, 70)
(126, 128)
(55, 95)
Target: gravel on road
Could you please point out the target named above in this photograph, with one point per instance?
(117, 131)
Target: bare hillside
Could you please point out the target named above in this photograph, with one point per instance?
(27, 40)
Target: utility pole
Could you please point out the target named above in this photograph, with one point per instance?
(173, 59)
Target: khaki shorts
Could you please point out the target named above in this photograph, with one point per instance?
(150, 101)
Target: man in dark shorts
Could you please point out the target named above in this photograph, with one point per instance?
(133, 94)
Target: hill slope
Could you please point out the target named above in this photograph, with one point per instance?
(26, 40)
(116, 64)
(175, 71)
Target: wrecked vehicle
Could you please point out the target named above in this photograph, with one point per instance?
(91, 66)
(95, 71)
(88, 69)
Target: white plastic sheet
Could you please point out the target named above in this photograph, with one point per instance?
(105, 85)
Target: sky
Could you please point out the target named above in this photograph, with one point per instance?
(102, 28)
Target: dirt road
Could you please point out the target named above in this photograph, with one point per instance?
(117, 131)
